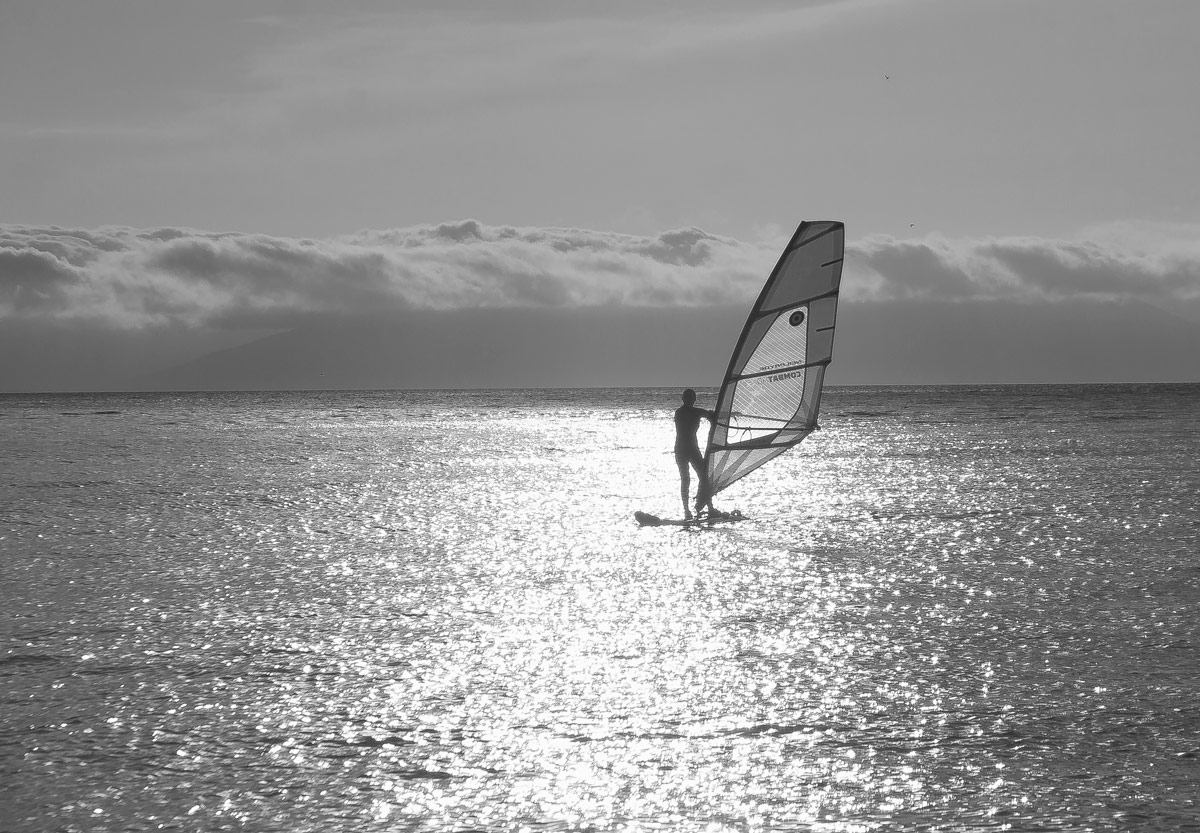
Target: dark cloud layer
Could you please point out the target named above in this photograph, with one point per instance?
(135, 278)
(1027, 269)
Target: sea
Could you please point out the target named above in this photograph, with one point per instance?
(950, 609)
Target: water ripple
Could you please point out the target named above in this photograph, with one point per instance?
(384, 611)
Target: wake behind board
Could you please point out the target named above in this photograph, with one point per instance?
(709, 519)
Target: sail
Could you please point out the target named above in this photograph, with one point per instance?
(772, 389)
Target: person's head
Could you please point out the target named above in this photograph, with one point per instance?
(689, 397)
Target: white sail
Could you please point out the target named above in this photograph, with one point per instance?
(772, 390)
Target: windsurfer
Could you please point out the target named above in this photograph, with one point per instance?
(687, 452)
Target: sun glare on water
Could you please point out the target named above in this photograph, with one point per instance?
(442, 616)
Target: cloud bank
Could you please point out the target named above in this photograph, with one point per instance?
(1115, 265)
(126, 278)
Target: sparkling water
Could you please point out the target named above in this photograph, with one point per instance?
(961, 608)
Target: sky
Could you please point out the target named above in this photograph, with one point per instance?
(183, 178)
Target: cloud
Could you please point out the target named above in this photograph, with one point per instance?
(496, 51)
(32, 279)
(134, 278)
(1155, 265)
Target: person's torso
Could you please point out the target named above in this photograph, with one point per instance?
(687, 421)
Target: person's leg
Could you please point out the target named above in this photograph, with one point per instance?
(685, 484)
(703, 496)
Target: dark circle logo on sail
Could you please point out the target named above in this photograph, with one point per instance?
(796, 318)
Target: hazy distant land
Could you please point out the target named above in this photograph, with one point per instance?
(878, 343)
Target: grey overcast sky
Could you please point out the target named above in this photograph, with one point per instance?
(223, 170)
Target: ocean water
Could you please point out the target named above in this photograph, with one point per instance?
(961, 608)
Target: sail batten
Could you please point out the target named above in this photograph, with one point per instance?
(771, 392)
(821, 363)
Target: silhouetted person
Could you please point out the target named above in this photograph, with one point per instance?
(687, 451)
